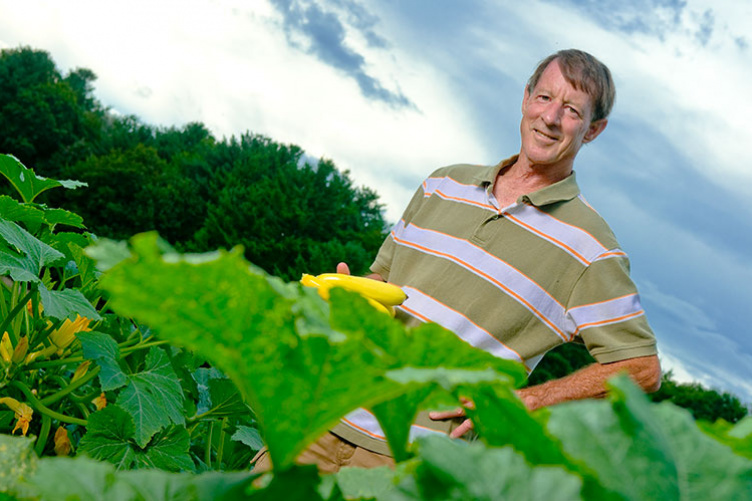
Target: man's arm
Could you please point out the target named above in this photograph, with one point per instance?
(588, 382)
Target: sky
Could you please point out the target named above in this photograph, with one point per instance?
(392, 90)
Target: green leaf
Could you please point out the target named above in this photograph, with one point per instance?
(153, 397)
(66, 303)
(27, 214)
(80, 478)
(110, 437)
(254, 328)
(502, 419)
(645, 451)
(218, 393)
(36, 254)
(248, 436)
(62, 216)
(168, 450)
(738, 437)
(366, 483)
(17, 461)
(456, 470)
(26, 182)
(108, 253)
(298, 482)
(103, 349)
(17, 266)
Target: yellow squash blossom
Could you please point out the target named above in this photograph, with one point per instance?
(66, 333)
(62, 442)
(100, 402)
(6, 348)
(21, 348)
(81, 370)
(23, 414)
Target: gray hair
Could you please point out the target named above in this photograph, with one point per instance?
(584, 72)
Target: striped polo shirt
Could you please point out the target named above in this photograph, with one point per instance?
(515, 281)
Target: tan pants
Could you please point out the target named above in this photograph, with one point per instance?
(329, 453)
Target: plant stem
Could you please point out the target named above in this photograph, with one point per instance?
(54, 363)
(34, 401)
(12, 314)
(43, 434)
(71, 387)
(207, 452)
(128, 351)
(221, 446)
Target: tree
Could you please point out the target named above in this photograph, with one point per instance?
(705, 404)
(42, 114)
(291, 216)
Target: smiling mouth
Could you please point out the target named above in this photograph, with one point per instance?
(544, 135)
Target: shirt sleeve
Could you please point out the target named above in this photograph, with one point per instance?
(607, 314)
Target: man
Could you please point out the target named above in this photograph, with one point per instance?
(512, 259)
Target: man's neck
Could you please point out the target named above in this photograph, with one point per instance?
(521, 178)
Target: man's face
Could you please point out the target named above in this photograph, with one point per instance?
(556, 122)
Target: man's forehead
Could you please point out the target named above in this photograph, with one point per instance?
(554, 79)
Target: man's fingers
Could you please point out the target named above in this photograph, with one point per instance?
(343, 268)
(439, 415)
(466, 426)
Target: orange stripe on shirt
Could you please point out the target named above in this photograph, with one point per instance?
(509, 291)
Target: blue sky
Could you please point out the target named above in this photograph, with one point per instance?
(390, 90)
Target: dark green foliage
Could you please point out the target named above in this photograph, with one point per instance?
(43, 115)
(704, 404)
(292, 214)
(559, 362)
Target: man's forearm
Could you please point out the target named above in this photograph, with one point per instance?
(589, 382)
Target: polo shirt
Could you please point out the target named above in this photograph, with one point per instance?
(515, 281)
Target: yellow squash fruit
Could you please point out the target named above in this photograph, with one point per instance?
(380, 295)
(384, 293)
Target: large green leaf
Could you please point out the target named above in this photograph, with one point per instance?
(738, 436)
(455, 470)
(27, 214)
(34, 215)
(255, 328)
(217, 393)
(17, 461)
(368, 483)
(34, 254)
(66, 303)
(153, 397)
(646, 451)
(26, 182)
(103, 349)
(110, 437)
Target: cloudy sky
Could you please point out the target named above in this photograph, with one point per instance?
(392, 89)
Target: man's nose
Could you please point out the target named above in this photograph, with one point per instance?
(552, 114)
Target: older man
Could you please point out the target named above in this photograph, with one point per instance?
(512, 259)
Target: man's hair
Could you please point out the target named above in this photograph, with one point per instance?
(584, 72)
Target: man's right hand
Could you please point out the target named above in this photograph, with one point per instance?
(343, 268)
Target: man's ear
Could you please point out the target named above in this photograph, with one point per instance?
(525, 97)
(594, 130)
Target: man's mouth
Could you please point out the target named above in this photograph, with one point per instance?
(548, 137)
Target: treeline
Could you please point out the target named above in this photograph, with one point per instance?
(292, 214)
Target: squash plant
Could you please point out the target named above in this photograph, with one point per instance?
(64, 355)
(300, 363)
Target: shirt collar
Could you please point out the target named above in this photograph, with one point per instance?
(561, 191)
